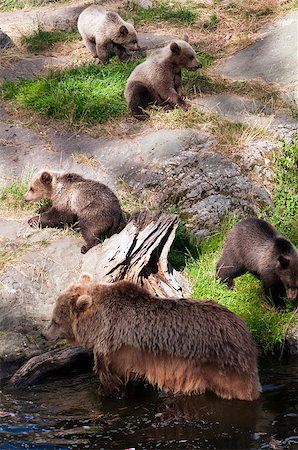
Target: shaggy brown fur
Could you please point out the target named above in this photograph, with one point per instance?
(93, 204)
(158, 79)
(179, 345)
(104, 33)
(254, 245)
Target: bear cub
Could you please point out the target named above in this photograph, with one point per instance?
(75, 198)
(105, 33)
(179, 345)
(158, 79)
(254, 245)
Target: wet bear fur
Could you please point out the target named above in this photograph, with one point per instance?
(158, 79)
(75, 198)
(179, 345)
(105, 33)
(254, 245)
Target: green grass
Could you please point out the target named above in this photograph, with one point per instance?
(184, 247)
(161, 13)
(212, 23)
(40, 40)
(89, 93)
(10, 5)
(285, 216)
(12, 197)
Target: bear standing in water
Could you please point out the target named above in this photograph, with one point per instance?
(104, 32)
(253, 245)
(179, 345)
(73, 197)
(158, 79)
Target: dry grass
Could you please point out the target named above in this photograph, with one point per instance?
(86, 160)
(237, 22)
(130, 203)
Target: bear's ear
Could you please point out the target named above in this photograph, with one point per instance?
(123, 30)
(84, 302)
(46, 178)
(185, 37)
(175, 48)
(283, 261)
(85, 278)
(111, 16)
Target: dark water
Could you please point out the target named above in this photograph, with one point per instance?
(66, 413)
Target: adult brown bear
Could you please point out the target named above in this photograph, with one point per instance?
(179, 345)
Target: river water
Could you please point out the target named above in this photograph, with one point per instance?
(64, 412)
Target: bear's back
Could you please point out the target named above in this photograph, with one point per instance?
(203, 331)
(92, 20)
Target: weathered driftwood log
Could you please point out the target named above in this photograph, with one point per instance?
(138, 254)
(39, 366)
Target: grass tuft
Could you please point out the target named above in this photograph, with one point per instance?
(88, 93)
(285, 216)
(40, 40)
(161, 13)
(12, 198)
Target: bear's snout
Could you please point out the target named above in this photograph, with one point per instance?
(45, 334)
(196, 66)
(292, 294)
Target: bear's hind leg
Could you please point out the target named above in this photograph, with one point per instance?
(90, 45)
(233, 385)
(89, 236)
(139, 99)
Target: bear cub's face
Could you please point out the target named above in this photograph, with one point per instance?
(69, 305)
(183, 55)
(287, 269)
(127, 37)
(40, 187)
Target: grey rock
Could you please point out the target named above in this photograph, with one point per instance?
(31, 67)
(273, 58)
(292, 341)
(17, 346)
(45, 263)
(248, 111)
(23, 151)
(61, 17)
(152, 40)
(5, 40)
(205, 186)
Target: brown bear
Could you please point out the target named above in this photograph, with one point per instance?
(158, 79)
(105, 32)
(179, 345)
(75, 198)
(254, 245)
